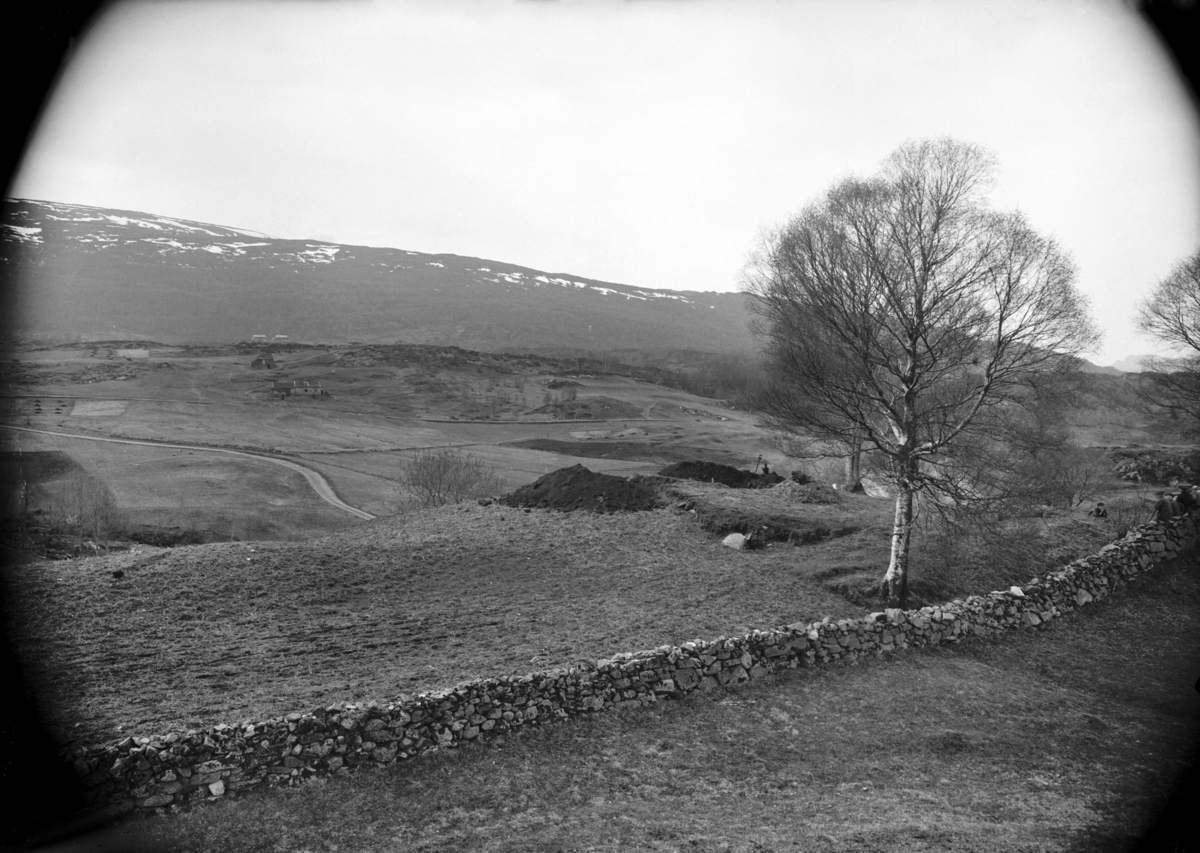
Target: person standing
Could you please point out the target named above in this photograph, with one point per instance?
(1163, 511)
(1187, 499)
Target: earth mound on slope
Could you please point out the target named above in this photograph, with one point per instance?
(712, 472)
(790, 491)
(577, 488)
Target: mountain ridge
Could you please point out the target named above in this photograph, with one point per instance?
(81, 270)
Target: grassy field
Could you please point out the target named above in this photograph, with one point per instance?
(415, 602)
(1069, 738)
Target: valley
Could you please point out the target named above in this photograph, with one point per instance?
(381, 405)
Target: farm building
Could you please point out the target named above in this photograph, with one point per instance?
(258, 339)
(298, 388)
(266, 362)
(280, 339)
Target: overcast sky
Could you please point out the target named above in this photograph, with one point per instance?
(647, 143)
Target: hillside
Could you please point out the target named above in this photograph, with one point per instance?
(93, 273)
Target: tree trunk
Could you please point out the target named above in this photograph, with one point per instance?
(854, 469)
(895, 583)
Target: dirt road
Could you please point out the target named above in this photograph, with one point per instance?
(318, 483)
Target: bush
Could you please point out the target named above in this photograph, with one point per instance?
(82, 506)
(977, 553)
(448, 476)
(1128, 512)
(973, 556)
(1069, 475)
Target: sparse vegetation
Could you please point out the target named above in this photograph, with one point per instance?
(1067, 475)
(449, 476)
(84, 508)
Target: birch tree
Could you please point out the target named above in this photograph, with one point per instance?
(1171, 313)
(900, 315)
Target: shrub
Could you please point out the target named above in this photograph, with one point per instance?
(972, 556)
(1129, 512)
(83, 506)
(1069, 475)
(448, 476)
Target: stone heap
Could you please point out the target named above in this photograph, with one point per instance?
(197, 766)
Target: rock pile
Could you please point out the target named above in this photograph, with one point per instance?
(577, 488)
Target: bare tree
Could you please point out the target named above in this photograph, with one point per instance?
(1171, 313)
(83, 506)
(448, 476)
(901, 315)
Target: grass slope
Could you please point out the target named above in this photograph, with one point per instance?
(1069, 738)
(223, 632)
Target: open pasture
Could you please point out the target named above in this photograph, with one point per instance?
(1068, 738)
(229, 631)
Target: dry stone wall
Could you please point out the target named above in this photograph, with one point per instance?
(196, 766)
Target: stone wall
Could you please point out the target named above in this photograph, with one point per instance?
(196, 766)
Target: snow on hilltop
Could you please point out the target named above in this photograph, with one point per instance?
(85, 213)
(171, 278)
(104, 229)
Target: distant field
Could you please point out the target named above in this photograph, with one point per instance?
(385, 406)
(217, 495)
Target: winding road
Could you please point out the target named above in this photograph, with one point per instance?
(318, 483)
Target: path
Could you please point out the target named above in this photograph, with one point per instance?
(318, 483)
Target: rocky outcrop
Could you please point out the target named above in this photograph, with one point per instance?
(196, 766)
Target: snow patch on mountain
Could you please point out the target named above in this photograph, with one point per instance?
(75, 218)
(26, 233)
(318, 254)
(167, 241)
(175, 223)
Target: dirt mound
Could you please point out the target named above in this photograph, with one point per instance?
(767, 527)
(712, 472)
(577, 488)
(806, 493)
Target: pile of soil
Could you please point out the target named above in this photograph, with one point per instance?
(712, 472)
(767, 527)
(577, 488)
(807, 493)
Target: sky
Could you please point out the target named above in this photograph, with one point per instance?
(647, 142)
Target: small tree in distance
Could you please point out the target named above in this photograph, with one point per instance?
(900, 316)
(448, 476)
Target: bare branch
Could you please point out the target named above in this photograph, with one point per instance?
(899, 314)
